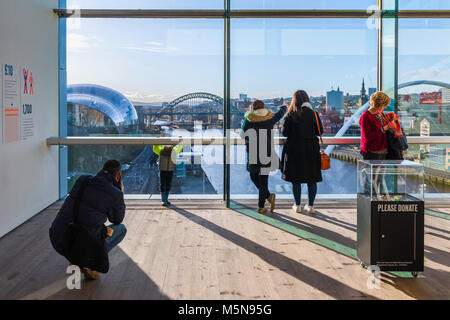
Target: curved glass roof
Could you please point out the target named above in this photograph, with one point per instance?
(105, 100)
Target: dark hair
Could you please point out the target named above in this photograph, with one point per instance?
(298, 98)
(112, 166)
(257, 104)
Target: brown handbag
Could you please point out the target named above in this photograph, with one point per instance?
(324, 158)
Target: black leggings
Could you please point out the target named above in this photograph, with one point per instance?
(262, 184)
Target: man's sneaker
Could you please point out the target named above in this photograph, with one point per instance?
(90, 274)
(309, 209)
(262, 210)
(271, 201)
(297, 209)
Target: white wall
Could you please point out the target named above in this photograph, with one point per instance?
(29, 169)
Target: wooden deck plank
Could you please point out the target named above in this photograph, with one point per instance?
(200, 250)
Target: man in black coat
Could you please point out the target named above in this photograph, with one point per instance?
(101, 200)
(261, 155)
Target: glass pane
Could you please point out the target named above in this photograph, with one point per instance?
(302, 4)
(391, 180)
(423, 52)
(145, 4)
(424, 110)
(140, 174)
(389, 4)
(388, 59)
(436, 160)
(148, 77)
(272, 58)
(424, 93)
(424, 5)
(424, 76)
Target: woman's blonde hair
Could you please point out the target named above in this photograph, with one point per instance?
(379, 100)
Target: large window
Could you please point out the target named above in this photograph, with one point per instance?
(173, 73)
(424, 88)
(151, 77)
(328, 58)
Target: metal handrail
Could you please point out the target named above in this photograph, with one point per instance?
(70, 141)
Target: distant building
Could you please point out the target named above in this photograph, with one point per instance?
(335, 100)
(372, 91)
(363, 96)
(445, 96)
(243, 96)
(425, 132)
(447, 159)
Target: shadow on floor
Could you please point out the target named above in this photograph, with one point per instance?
(314, 278)
(417, 288)
(33, 270)
(331, 236)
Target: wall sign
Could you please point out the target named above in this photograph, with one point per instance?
(11, 104)
(18, 91)
(27, 122)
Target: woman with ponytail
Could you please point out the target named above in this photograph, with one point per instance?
(300, 160)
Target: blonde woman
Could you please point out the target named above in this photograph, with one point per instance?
(374, 143)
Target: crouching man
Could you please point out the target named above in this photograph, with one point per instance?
(79, 232)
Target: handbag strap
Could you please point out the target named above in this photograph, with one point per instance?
(318, 128)
(76, 206)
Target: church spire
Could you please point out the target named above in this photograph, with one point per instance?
(363, 97)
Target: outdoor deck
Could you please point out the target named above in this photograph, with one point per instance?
(200, 250)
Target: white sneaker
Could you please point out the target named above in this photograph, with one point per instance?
(297, 209)
(309, 209)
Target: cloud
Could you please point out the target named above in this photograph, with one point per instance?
(147, 97)
(432, 74)
(438, 71)
(349, 76)
(154, 47)
(154, 43)
(80, 43)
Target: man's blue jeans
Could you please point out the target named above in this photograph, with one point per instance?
(117, 236)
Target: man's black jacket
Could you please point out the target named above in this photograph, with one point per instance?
(102, 200)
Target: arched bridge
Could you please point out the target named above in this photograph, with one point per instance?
(194, 95)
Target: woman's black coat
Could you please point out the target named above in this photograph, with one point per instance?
(300, 161)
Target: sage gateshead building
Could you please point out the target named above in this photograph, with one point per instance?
(87, 81)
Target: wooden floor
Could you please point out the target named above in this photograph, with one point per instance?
(200, 250)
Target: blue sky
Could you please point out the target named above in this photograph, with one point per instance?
(160, 59)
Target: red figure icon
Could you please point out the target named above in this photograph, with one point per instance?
(31, 83)
(25, 76)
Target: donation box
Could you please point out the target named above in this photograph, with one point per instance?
(390, 218)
